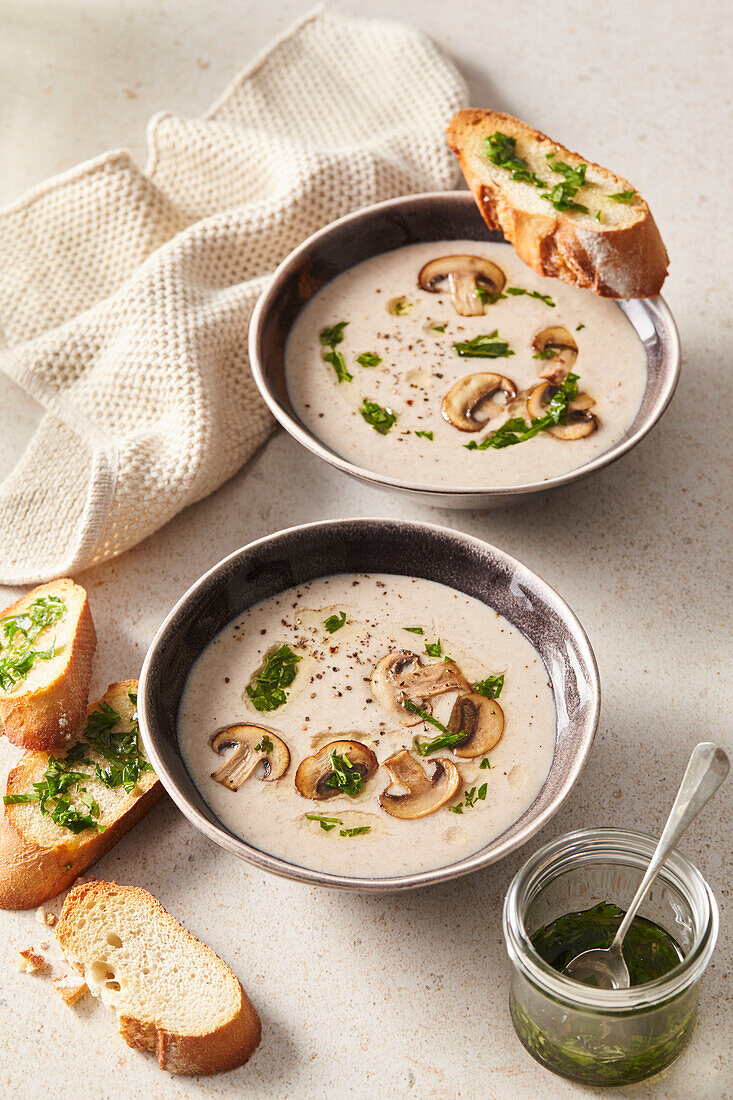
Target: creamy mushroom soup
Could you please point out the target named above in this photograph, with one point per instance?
(453, 364)
(368, 725)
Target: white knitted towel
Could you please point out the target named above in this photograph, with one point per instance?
(125, 296)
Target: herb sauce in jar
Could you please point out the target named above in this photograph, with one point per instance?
(649, 951)
(581, 1031)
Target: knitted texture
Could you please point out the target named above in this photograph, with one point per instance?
(126, 295)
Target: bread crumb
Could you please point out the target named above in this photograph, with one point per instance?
(70, 987)
(41, 915)
(31, 961)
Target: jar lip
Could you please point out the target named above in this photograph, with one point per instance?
(559, 854)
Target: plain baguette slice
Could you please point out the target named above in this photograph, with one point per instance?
(622, 256)
(172, 994)
(43, 710)
(39, 859)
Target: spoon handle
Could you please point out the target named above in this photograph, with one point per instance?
(706, 769)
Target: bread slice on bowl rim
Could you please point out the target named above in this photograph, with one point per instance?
(619, 256)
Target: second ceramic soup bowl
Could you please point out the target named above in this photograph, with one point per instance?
(413, 219)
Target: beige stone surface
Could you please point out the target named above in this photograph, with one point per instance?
(406, 996)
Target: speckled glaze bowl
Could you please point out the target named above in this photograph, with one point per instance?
(443, 215)
(269, 566)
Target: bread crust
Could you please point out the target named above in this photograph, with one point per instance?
(614, 262)
(29, 874)
(230, 1045)
(46, 718)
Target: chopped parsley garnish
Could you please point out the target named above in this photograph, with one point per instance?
(488, 297)
(490, 687)
(326, 823)
(562, 195)
(485, 764)
(546, 353)
(516, 430)
(61, 783)
(335, 622)
(332, 336)
(425, 435)
(438, 328)
(329, 338)
(19, 631)
(414, 629)
(266, 688)
(381, 419)
(445, 741)
(574, 176)
(346, 776)
(579, 327)
(424, 715)
(470, 798)
(265, 745)
(598, 216)
(501, 149)
(434, 649)
(486, 346)
(337, 361)
(515, 291)
(624, 197)
(119, 748)
(369, 359)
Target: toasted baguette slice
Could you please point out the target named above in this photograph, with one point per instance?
(38, 858)
(171, 993)
(43, 709)
(620, 256)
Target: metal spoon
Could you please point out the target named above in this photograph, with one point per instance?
(706, 769)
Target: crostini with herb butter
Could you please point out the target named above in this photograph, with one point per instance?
(62, 812)
(567, 218)
(47, 641)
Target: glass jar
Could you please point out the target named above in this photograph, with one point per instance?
(606, 1036)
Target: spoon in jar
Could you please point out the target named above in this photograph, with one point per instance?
(706, 769)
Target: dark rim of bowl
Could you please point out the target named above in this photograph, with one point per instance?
(222, 836)
(656, 310)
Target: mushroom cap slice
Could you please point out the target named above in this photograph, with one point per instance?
(244, 739)
(558, 340)
(483, 721)
(465, 274)
(578, 424)
(389, 679)
(399, 675)
(579, 421)
(314, 772)
(422, 795)
(468, 405)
